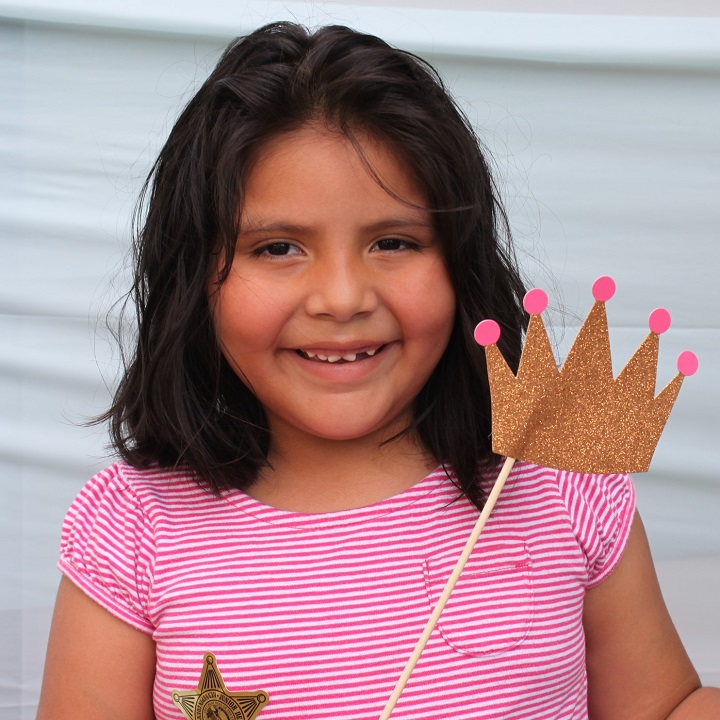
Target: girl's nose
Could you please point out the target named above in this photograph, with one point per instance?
(342, 289)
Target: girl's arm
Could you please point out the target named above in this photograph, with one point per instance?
(637, 666)
(96, 665)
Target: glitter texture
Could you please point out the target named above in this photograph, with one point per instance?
(579, 419)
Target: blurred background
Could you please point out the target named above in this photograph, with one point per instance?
(604, 126)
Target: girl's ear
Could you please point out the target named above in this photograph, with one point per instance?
(218, 269)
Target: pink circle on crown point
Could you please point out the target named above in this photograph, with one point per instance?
(687, 363)
(487, 333)
(535, 301)
(659, 321)
(603, 288)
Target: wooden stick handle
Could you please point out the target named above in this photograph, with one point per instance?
(449, 587)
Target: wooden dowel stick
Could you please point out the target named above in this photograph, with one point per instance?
(449, 586)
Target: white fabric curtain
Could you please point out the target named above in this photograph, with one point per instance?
(605, 133)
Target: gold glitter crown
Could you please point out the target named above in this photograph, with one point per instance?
(580, 418)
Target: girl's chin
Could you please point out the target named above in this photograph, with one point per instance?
(342, 426)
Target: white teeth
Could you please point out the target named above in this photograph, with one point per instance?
(350, 357)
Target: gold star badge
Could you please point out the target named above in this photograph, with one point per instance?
(212, 701)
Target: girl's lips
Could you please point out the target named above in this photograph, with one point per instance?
(338, 356)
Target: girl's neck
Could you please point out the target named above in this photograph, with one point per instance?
(315, 475)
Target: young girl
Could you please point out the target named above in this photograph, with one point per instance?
(304, 427)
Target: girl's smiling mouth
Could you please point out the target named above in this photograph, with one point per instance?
(334, 356)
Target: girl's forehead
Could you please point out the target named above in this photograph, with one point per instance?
(317, 163)
(318, 143)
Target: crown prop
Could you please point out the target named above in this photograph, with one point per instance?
(580, 418)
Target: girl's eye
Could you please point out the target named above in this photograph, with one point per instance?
(392, 244)
(278, 249)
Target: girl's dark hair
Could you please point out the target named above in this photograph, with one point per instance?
(179, 403)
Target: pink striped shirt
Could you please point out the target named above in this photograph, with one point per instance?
(322, 611)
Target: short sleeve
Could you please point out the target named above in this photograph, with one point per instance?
(601, 510)
(107, 547)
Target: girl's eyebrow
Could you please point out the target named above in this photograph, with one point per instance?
(410, 222)
(294, 228)
(273, 227)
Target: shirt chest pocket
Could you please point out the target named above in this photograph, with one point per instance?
(491, 608)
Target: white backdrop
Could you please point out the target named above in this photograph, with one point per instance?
(606, 138)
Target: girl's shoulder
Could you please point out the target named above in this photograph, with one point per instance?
(127, 507)
(594, 510)
(114, 528)
(577, 490)
(143, 487)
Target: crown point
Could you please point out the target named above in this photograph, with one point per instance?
(687, 363)
(535, 301)
(487, 333)
(603, 288)
(659, 321)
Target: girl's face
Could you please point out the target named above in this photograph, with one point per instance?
(338, 305)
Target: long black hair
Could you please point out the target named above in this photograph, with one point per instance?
(179, 404)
